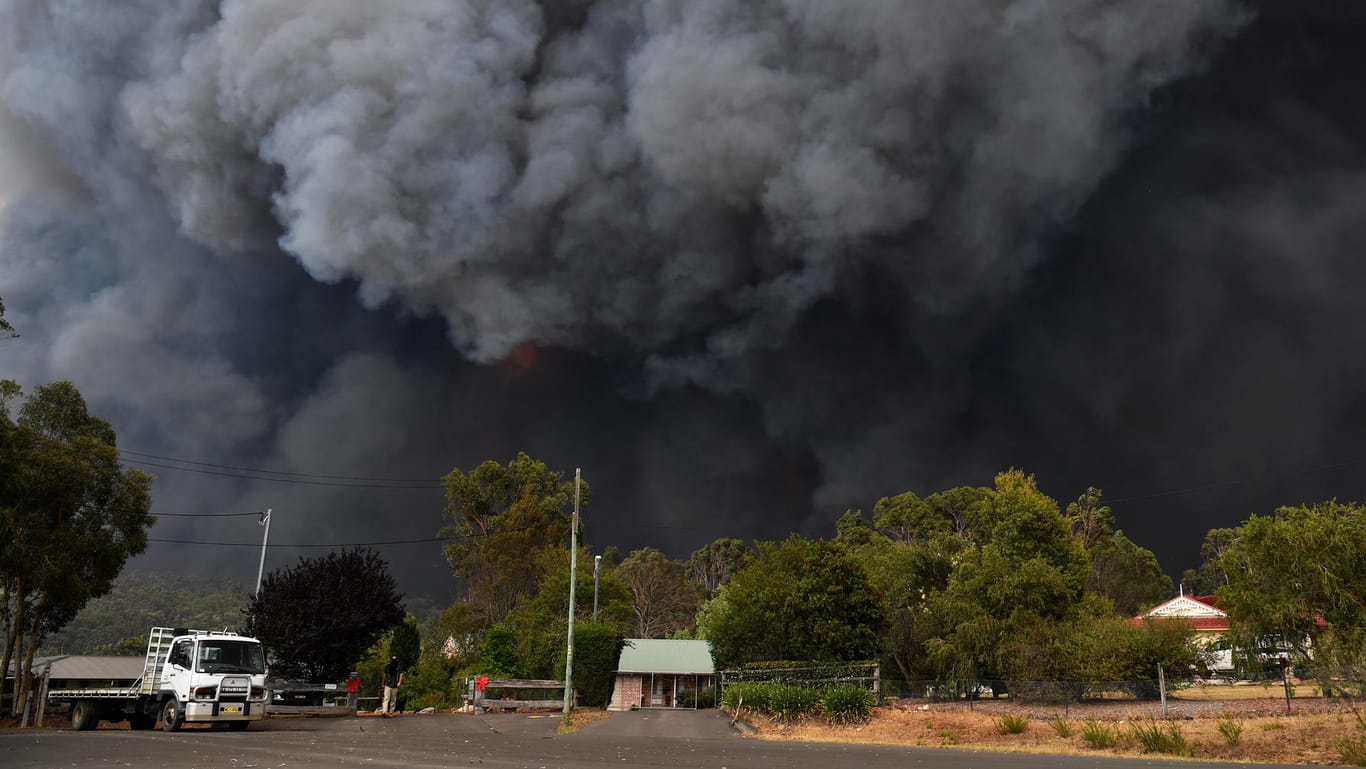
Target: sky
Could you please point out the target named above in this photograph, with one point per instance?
(746, 264)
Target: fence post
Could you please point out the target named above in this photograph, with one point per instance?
(1162, 687)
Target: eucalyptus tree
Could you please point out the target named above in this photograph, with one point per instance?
(71, 516)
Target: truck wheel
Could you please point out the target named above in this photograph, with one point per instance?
(141, 721)
(83, 716)
(238, 726)
(171, 717)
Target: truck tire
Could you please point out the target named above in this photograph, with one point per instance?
(171, 716)
(141, 721)
(83, 716)
(238, 726)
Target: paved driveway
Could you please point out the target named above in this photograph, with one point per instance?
(710, 724)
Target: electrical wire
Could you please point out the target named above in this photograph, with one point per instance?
(241, 468)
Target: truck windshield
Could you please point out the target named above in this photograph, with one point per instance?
(231, 657)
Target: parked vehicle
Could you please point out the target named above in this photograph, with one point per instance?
(189, 676)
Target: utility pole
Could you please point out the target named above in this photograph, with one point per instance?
(265, 521)
(597, 566)
(573, 576)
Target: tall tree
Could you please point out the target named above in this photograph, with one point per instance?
(318, 617)
(966, 508)
(502, 517)
(1032, 573)
(1300, 575)
(1127, 574)
(1207, 579)
(663, 599)
(798, 600)
(71, 516)
(713, 564)
(908, 518)
(1090, 518)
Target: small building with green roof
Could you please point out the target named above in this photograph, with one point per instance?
(664, 673)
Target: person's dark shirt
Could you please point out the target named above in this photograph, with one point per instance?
(391, 673)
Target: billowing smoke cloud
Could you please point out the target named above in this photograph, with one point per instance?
(748, 263)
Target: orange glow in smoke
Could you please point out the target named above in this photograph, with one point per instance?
(520, 360)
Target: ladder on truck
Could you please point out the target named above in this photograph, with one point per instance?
(158, 649)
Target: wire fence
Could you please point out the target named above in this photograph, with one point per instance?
(1303, 683)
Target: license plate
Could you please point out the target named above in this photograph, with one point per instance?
(231, 709)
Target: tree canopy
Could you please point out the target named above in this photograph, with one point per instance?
(663, 599)
(1299, 576)
(797, 600)
(318, 617)
(502, 517)
(70, 514)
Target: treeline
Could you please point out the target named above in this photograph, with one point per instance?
(990, 583)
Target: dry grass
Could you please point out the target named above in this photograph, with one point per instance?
(579, 717)
(1226, 692)
(1312, 735)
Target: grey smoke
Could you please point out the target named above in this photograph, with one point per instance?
(773, 258)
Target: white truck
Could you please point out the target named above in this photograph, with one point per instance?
(189, 676)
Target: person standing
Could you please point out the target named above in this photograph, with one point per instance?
(353, 691)
(393, 678)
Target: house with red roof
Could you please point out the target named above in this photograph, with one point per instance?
(1204, 616)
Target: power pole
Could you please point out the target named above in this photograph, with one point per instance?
(573, 577)
(265, 521)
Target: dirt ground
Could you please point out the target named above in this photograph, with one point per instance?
(1310, 734)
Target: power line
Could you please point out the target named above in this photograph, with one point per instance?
(424, 486)
(275, 472)
(205, 515)
(257, 545)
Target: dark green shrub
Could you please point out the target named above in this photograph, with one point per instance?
(847, 704)
(596, 650)
(753, 696)
(791, 702)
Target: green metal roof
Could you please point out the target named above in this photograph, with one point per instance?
(665, 655)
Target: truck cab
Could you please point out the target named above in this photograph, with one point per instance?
(212, 676)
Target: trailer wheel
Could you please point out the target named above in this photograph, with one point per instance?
(141, 721)
(171, 717)
(83, 716)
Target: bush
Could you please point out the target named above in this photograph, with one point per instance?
(703, 699)
(1062, 726)
(596, 650)
(787, 702)
(753, 696)
(429, 686)
(847, 704)
(1098, 735)
(1012, 724)
(791, 702)
(1353, 750)
(1156, 738)
(1231, 729)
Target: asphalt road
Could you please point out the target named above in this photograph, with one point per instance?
(701, 739)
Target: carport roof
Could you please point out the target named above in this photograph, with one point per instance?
(666, 655)
(85, 667)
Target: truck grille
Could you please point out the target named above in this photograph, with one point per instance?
(235, 687)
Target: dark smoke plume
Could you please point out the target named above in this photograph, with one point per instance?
(747, 263)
